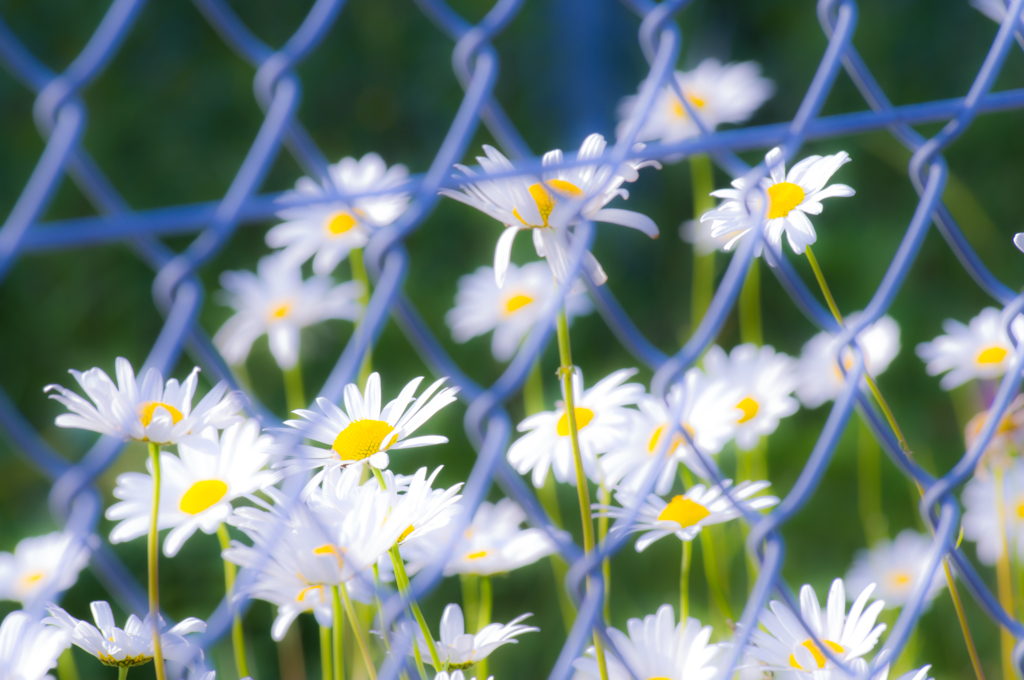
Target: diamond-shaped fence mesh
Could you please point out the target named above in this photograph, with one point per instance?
(60, 115)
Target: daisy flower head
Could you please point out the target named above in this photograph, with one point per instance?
(895, 566)
(455, 675)
(717, 93)
(765, 377)
(698, 234)
(656, 647)
(494, 543)
(276, 302)
(785, 647)
(546, 204)
(41, 566)
(511, 310)
(459, 650)
(197, 486)
(818, 373)
(151, 412)
(791, 198)
(600, 419)
(132, 645)
(29, 649)
(982, 513)
(1007, 439)
(685, 515)
(981, 349)
(328, 229)
(363, 431)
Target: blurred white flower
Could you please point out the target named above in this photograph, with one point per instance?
(494, 543)
(278, 303)
(460, 650)
(790, 199)
(820, 379)
(197, 486)
(132, 646)
(895, 567)
(981, 513)
(684, 515)
(363, 431)
(600, 422)
(1018, 240)
(151, 412)
(510, 311)
(41, 566)
(656, 647)
(544, 204)
(981, 349)
(718, 93)
(455, 675)
(699, 234)
(29, 649)
(766, 379)
(785, 648)
(332, 228)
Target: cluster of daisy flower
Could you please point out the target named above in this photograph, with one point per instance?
(321, 518)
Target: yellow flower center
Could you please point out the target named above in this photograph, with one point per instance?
(405, 534)
(363, 438)
(30, 579)
(1020, 509)
(279, 311)
(516, 302)
(900, 578)
(302, 593)
(329, 549)
(147, 408)
(677, 440)
(782, 198)
(992, 355)
(819, 658)
(476, 555)
(583, 417)
(544, 199)
(202, 495)
(680, 110)
(749, 408)
(683, 511)
(339, 223)
(126, 662)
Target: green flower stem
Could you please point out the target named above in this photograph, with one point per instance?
(486, 603)
(294, 393)
(326, 664)
(684, 582)
(66, 667)
(953, 592)
(1004, 583)
(711, 567)
(470, 599)
(605, 498)
(355, 259)
(122, 672)
(354, 622)
(237, 634)
(402, 579)
(566, 371)
(153, 553)
(533, 390)
(750, 305)
(338, 635)
(702, 181)
(869, 486)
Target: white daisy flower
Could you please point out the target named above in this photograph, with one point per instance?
(709, 415)
(455, 675)
(785, 648)
(600, 419)
(543, 204)
(656, 647)
(699, 235)
(41, 565)
(494, 543)
(790, 199)
(765, 377)
(981, 513)
(196, 487)
(510, 311)
(332, 228)
(363, 431)
(29, 649)
(1018, 238)
(685, 515)
(820, 379)
(151, 412)
(981, 349)
(896, 567)
(459, 649)
(131, 646)
(718, 93)
(276, 302)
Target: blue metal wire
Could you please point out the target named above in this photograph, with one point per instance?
(61, 116)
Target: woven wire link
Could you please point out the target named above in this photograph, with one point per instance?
(61, 117)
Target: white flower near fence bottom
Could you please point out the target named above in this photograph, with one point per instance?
(459, 649)
(981, 349)
(895, 568)
(981, 513)
(41, 566)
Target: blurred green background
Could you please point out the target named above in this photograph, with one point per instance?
(172, 118)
